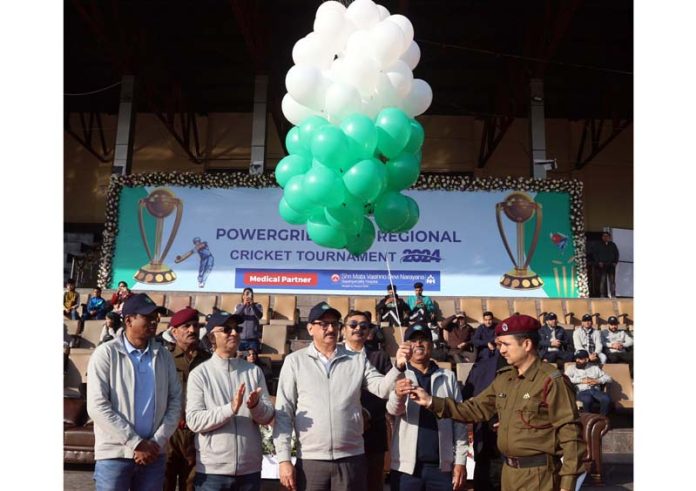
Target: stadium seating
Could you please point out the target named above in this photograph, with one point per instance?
(575, 309)
(621, 387)
(554, 305)
(463, 370)
(205, 303)
(89, 337)
(228, 301)
(472, 307)
(367, 304)
(342, 304)
(274, 342)
(499, 307)
(626, 312)
(284, 310)
(393, 336)
(602, 309)
(177, 302)
(446, 306)
(526, 307)
(158, 298)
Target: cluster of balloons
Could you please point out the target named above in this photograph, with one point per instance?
(358, 59)
(337, 176)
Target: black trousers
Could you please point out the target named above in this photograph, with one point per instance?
(607, 273)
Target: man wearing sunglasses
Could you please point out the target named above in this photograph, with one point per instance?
(319, 397)
(134, 398)
(356, 330)
(228, 440)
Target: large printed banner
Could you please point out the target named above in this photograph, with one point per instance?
(467, 243)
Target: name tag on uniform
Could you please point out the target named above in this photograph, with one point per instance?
(526, 396)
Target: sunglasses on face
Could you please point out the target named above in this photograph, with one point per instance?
(325, 325)
(229, 329)
(358, 325)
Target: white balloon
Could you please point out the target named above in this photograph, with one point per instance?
(329, 25)
(406, 29)
(418, 100)
(335, 73)
(363, 13)
(400, 76)
(359, 43)
(306, 85)
(341, 101)
(412, 55)
(371, 107)
(387, 39)
(361, 72)
(386, 95)
(294, 111)
(329, 8)
(383, 12)
(310, 50)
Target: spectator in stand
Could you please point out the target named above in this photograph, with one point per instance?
(228, 441)
(355, 331)
(71, 301)
(422, 307)
(393, 309)
(112, 324)
(120, 296)
(252, 313)
(426, 453)
(458, 336)
(553, 341)
(615, 343)
(134, 398)
(588, 380)
(96, 307)
(606, 257)
(484, 337)
(181, 455)
(375, 335)
(252, 356)
(589, 339)
(319, 398)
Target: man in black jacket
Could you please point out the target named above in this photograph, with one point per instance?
(606, 256)
(554, 345)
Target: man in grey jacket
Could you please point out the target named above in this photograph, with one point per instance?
(319, 397)
(615, 344)
(228, 440)
(134, 398)
(588, 381)
(426, 452)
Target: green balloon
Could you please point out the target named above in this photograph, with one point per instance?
(348, 216)
(290, 215)
(291, 166)
(413, 215)
(295, 196)
(324, 234)
(362, 241)
(415, 142)
(362, 135)
(324, 186)
(393, 131)
(330, 146)
(391, 211)
(403, 171)
(366, 180)
(308, 127)
(294, 144)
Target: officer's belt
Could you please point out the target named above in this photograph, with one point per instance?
(529, 461)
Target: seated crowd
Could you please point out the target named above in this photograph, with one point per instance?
(160, 424)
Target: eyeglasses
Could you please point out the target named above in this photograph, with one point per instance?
(229, 329)
(360, 325)
(325, 325)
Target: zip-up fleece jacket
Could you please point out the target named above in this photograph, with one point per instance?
(226, 444)
(111, 399)
(324, 409)
(453, 437)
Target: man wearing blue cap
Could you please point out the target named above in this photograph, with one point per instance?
(426, 453)
(134, 398)
(535, 404)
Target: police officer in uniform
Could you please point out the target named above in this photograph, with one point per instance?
(535, 404)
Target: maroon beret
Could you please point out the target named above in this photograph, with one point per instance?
(185, 315)
(517, 324)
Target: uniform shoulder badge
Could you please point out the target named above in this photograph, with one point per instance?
(526, 396)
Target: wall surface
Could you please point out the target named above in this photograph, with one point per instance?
(451, 145)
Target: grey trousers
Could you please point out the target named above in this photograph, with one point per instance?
(347, 474)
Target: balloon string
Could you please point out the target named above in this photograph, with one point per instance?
(396, 308)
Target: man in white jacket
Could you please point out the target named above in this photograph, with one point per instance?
(134, 398)
(426, 452)
(228, 441)
(319, 397)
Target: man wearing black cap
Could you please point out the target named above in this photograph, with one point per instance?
(615, 344)
(228, 441)
(393, 309)
(588, 380)
(539, 421)
(589, 339)
(134, 397)
(553, 341)
(426, 453)
(319, 397)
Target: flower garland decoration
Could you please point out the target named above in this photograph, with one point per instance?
(426, 182)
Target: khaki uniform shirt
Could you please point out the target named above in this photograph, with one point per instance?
(184, 365)
(528, 426)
